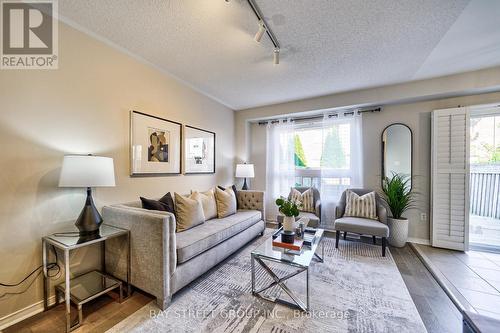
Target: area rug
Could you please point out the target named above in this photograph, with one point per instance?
(355, 289)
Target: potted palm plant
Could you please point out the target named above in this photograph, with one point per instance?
(397, 194)
(290, 210)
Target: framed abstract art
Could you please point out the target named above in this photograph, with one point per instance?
(199, 150)
(155, 145)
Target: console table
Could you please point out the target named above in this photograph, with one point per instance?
(90, 285)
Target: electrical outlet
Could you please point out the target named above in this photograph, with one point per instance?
(423, 217)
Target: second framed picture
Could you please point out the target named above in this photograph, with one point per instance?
(199, 150)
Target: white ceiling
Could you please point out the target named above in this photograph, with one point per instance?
(328, 46)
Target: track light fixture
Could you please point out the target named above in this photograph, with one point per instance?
(260, 32)
(264, 28)
(276, 56)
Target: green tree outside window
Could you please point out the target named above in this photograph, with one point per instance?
(300, 157)
(333, 154)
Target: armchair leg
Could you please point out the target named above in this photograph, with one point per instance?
(337, 237)
(374, 240)
(345, 235)
(384, 243)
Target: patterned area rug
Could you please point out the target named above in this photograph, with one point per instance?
(353, 290)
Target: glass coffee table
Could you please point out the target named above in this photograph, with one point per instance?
(267, 252)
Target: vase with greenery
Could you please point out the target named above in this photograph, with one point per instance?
(397, 194)
(290, 210)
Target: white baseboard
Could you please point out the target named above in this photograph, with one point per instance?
(422, 241)
(24, 313)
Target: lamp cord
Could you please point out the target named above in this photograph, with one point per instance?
(36, 272)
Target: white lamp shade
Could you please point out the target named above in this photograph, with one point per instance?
(87, 171)
(244, 171)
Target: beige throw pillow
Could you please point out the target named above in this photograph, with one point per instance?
(361, 206)
(208, 203)
(226, 202)
(188, 213)
(306, 199)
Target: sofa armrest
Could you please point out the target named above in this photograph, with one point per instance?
(252, 200)
(152, 248)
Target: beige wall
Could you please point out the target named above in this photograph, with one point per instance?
(83, 107)
(416, 115)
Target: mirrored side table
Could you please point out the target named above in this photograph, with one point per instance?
(87, 286)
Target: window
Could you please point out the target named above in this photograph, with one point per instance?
(318, 148)
(485, 140)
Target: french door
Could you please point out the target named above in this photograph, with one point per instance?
(450, 179)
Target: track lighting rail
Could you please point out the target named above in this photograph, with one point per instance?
(260, 17)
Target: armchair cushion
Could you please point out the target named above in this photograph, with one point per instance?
(362, 226)
(313, 219)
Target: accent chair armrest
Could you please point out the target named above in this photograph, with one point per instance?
(317, 208)
(381, 213)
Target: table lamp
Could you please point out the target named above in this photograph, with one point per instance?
(87, 171)
(244, 171)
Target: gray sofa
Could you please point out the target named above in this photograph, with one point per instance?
(163, 261)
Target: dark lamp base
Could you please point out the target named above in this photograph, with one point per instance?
(89, 221)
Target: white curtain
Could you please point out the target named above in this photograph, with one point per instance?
(342, 142)
(280, 167)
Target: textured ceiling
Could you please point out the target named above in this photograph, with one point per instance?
(327, 46)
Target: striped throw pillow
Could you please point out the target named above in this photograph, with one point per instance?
(361, 206)
(306, 199)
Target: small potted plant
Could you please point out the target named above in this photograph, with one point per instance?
(290, 210)
(397, 194)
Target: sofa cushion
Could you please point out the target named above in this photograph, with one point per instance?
(188, 213)
(226, 202)
(166, 203)
(197, 240)
(207, 200)
(362, 226)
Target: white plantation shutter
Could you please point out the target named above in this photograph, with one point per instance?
(450, 179)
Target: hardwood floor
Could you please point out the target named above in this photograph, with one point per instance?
(437, 311)
(99, 315)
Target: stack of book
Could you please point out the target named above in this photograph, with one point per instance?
(296, 246)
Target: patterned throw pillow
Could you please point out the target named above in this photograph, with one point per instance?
(306, 198)
(361, 206)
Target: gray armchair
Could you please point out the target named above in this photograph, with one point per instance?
(314, 218)
(360, 225)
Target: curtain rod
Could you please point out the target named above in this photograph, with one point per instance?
(273, 121)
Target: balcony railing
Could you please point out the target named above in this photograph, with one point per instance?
(485, 190)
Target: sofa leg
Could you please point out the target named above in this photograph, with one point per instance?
(337, 237)
(384, 241)
(163, 303)
(345, 235)
(374, 240)
(262, 233)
